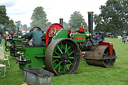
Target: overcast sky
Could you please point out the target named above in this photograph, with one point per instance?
(21, 10)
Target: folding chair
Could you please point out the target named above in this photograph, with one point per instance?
(4, 73)
(3, 56)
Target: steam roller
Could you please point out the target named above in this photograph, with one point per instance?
(64, 49)
(99, 56)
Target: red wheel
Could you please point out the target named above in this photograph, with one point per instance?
(52, 32)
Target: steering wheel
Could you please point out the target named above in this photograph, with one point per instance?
(38, 29)
(32, 29)
(52, 32)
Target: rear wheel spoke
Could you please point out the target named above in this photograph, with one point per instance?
(58, 64)
(69, 61)
(64, 68)
(70, 57)
(59, 68)
(56, 52)
(67, 49)
(70, 53)
(67, 67)
(55, 60)
(59, 49)
(56, 56)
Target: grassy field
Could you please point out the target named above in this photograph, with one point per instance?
(85, 75)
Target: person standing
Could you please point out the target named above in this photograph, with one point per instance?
(124, 40)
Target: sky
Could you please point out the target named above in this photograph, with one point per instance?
(21, 10)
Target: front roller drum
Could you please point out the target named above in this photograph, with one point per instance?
(62, 56)
(100, 57)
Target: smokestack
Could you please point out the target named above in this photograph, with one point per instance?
(61, 21)
(90, 22)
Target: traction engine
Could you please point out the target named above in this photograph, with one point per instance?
(64, 49)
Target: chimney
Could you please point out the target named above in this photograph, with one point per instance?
(61, 21)
(90, 22)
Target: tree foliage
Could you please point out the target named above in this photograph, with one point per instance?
(76, 19)
(65, 25)
(3, 16)
(11, 26)
(25, 27)
(5, 23)
(113, 17)
(39, 18)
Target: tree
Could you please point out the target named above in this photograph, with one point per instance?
(76, 19)
(113, 17)
(4, 19)
(3, 16)
(39, 18)
(48, 24)
(65, 25)
(25, 27)
(5, 23)
(98, 21)
(11, 26)
(18, 26)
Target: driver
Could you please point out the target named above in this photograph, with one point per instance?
(36, 35)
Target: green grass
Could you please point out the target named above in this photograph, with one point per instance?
(85, 75)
